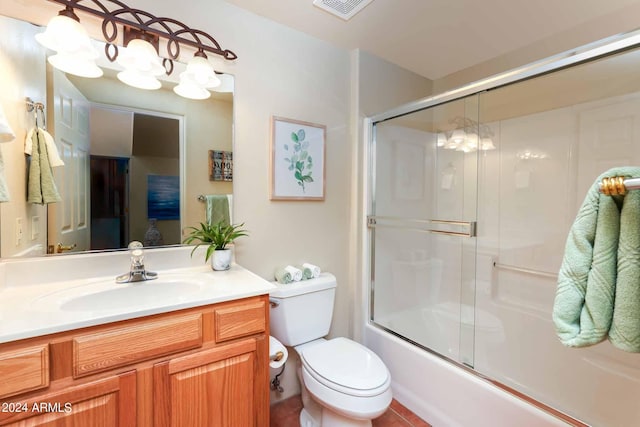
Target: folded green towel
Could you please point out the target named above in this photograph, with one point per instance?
(625, 328)
(307, 273)
(41, 188)
(283, 276)
(217, 209)
(584, 303)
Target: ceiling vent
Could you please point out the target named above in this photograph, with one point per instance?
(344, 9)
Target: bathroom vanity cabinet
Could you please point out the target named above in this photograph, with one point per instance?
(195, 367)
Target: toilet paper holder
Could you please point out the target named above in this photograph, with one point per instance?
(277, 357)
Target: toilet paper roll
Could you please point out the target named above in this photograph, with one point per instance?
(278, 353)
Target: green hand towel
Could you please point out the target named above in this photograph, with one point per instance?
(584, 303)
(41, 187)
(625, 328)
(306, 272)
(283, 276)
(217, 209)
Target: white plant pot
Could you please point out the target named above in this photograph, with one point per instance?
(221, 259)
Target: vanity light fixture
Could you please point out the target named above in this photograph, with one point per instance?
(144, 36)
(198, 77)
(468, 136)
(141, 64)
(74, 52)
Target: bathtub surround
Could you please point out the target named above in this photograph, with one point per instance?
(599, 268)
(436, 290)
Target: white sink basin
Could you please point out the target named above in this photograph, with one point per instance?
(107, 295)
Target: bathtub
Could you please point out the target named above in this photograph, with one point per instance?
(447, 395)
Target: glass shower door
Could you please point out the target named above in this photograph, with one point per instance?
(422, 221)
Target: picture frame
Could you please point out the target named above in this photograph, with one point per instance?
(297, 167)
(220, 165)
(163, 197)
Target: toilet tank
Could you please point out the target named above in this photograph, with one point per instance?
(302, 311)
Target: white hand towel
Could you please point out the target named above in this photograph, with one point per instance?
(296, 274)
(314, 269)
(52, 149)
(6, 133)
(4, 191)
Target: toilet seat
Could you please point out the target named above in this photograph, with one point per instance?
(347, 367)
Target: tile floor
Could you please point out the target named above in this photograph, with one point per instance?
(287, 412)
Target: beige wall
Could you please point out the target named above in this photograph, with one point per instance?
(23, 74)
(111, 132)
(378, 86)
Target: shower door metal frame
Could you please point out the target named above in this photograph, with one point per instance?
(590, 52)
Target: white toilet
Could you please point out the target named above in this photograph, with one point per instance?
(343, 382)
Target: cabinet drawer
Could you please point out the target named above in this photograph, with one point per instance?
(24, 370)
(239, 320)
(135, 342)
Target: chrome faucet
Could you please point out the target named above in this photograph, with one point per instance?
(137, 273)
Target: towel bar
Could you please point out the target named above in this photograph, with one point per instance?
(618, 185)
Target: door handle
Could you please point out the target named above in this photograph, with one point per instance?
(62, 248)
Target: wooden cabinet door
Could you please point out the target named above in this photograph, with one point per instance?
(213, 388)
(109, 402)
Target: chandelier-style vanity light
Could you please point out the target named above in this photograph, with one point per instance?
(142, 33)
(467, 136)
(198, 77)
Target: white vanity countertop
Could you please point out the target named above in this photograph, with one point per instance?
(50, 307)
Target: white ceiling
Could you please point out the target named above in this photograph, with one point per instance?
(435, 38)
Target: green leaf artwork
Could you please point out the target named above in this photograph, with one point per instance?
(301, 169)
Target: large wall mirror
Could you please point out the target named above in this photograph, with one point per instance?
(135, 161)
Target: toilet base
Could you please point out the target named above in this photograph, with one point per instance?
(333, 419)
(307, 420)
(330, 419)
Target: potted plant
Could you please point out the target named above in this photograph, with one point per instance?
(216, 237)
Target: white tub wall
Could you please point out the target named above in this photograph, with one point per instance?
(445, 395)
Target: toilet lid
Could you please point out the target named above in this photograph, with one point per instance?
(346, 363)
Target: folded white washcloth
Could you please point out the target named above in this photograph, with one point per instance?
(52, 149)
(314, 269)
(296, 274)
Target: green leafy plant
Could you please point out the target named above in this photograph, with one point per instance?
(215, 236)
(300, 162)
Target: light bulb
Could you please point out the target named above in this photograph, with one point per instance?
(487, 144)
(202, 72)
(64, 34)
(75, 65)
(139, 80)
(141, 56)
(458, 136)
(189, 88)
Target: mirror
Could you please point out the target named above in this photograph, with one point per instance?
(135, 160)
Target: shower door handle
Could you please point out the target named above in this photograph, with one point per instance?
(469, 228)
(448, 227)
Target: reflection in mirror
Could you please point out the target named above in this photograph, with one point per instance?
(135, 160)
